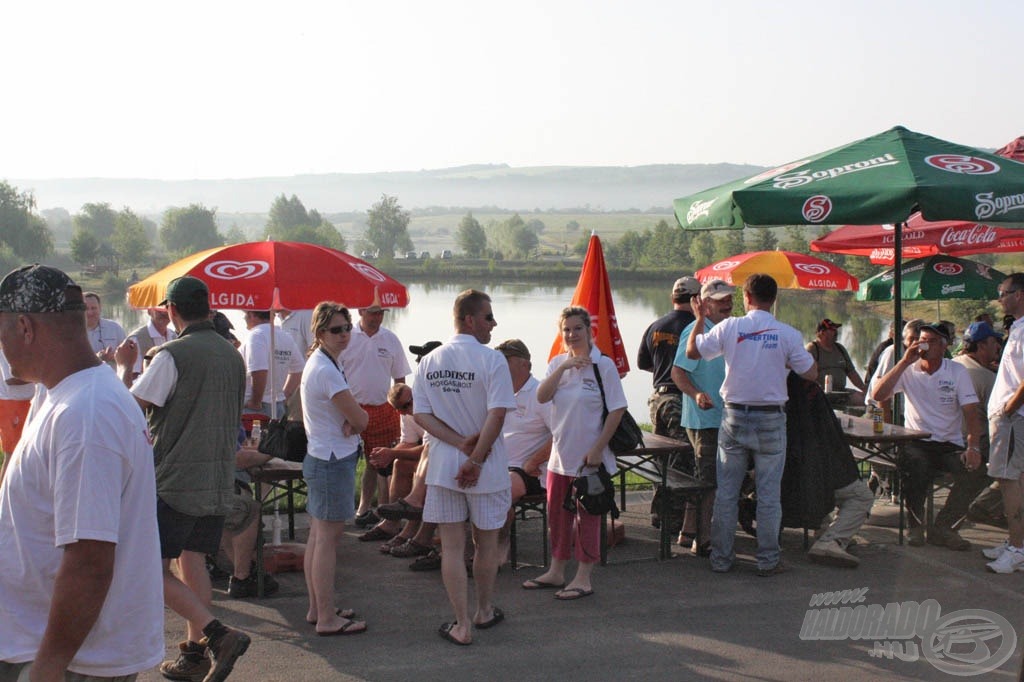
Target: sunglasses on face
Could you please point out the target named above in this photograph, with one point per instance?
(340, 329)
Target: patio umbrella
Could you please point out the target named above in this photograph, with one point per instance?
(790, 270)
(594, 292)
(935, 278)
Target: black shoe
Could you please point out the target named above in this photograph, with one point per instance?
(430, 562)
(240, 588)
(226, 649)
(367, 518)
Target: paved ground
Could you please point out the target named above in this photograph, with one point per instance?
(671, 620)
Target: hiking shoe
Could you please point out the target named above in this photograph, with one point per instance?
(396, 511)
(831, 553)
(428, 562)
(997, 551)
(1012, 559)
(947, 537)
(192, 665)
(240, 588)
(915, 536)
(226, 649)
(774, 570)
(410, 549)
(367, 518)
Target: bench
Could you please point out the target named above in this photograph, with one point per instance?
(533, 505)
(275, 481)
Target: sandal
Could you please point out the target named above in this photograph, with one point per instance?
(377, 533)
(410, 549)
(393, 543)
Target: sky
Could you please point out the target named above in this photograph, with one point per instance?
(225, 89)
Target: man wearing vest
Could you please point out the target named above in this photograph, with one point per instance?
(154, 333)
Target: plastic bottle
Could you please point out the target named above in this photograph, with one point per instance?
(276, 526)
(257, 431)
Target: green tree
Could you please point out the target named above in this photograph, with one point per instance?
(668, 246)
(129, 240)
(513, 238)
(84, 246)
(580, 247)
(536, 225)
(235, 235)
(98, 219)
(286, 213)
(471, 238)
(795, 240)
(59, 222)
(702, 249)
(572, 226)
(729, 243)
(290, 221)
(630, 249)
(24, 232)
(185, 230)
(387, 227)
(763, 239)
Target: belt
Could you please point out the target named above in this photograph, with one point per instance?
(667, 389)
(754, 408)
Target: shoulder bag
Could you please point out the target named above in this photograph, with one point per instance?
(628, 436)
(284, 439)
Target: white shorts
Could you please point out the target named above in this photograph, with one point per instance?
(486, 511)
(1006, 447)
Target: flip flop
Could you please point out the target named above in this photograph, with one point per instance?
(446, 633)
(347, 614)
(573, 593)
(498, 616)
(349, 628)
(532, 584)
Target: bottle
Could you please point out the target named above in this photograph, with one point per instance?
(877, 426)
(828, 383)
(276, 526)
(257, 431)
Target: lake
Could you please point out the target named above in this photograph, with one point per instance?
(529, 311)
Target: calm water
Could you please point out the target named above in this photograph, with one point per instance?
(529, 312)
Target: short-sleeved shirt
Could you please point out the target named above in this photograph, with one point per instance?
(707, 376)
(759, 352)
(298, 325)
(459, 383)
(156, 339)
(321, 381)
(528, 427)
(288, 359)
(412, 433)
(372, 363)
(659, 345)
(106, 334)
(935, 402)
(835, 363)
(1011, 370)
(576, 411)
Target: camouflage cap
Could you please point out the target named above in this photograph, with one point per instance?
(39, 289)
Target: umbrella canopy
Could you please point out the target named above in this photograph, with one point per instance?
(790, 270)
(594, 292)
(272, 275)
(935, 278)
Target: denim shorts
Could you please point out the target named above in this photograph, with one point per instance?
(331, 487)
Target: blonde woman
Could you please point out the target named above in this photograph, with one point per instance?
(580, 440)
(333, 421)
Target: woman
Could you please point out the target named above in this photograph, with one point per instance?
(333, 421)
(580, 441)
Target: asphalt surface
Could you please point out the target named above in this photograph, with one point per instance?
(672, 620)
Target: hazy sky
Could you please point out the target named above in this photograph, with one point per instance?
(219, 89)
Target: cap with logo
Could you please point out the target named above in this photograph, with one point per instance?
(979, 331)
(39, 289)
(513, 348)
(716, 289)
(185, 289)
(828, 324)
(937, 328)
(686, 286)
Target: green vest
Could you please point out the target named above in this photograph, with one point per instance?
(195, 434)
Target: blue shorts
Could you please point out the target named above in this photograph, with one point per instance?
(330, 487)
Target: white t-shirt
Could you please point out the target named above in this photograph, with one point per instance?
(158, 339)
(13, 391)
(459, 383)
(256, 352)
(297, 324)
(83, 470)
(156, 384)
(1011, 370)
(106, 334)
(321, 381)
(759, 352)
(576, 411)
(412, 433)
(372, 362)
(935, 402)
(528, 427)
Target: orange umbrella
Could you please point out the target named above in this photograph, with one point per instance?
(594, 292)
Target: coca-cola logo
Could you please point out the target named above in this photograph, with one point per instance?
(968, 236)
(817, 208)
(725, 265)
(813, 268)
(965, 165)
(948, 269)
(233, 269)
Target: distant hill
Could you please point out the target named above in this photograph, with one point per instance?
(596, 188)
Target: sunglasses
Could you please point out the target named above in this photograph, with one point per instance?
(340, 329)
(489, 317)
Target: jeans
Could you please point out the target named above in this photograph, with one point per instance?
(746, 435)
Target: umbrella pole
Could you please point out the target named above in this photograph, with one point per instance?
(897, 346)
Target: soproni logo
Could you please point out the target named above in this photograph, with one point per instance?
(958, 163)
(232, 269)
(817, 208)
(990, 205)
(775, 171)
(960, 643)
(948, 269)
(369, 271)
(954, 289)
(790, 180)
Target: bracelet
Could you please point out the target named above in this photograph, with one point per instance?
(973, 448)
(475, 463)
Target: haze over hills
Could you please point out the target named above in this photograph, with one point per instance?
(597, 188)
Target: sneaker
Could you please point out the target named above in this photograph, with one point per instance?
(947, 537)
(774, 570)
(367, 518)
(831, 553)
(997, 551)
(915, 536)
(240, 588)
(429, 562)
(226, 649)
(410, 549)
(192, 665)
(1012, 559)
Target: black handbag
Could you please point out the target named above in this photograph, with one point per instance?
(284, 439)
(628, 436)
(595, 493)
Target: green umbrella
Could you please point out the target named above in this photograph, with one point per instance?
(935, 278)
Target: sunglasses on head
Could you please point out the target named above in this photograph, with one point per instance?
(340, 329)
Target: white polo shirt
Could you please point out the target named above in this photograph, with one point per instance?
(372, 363)
(459, 383)
(297, 324)
(759, 352)
(527, 427)
(1011, 370)
(288, 359)
(935, 402)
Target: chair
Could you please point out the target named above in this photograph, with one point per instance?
(535, 504)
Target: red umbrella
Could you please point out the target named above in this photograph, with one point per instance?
(272, 275)
(790, 270)
(594, 292)
(922, 238)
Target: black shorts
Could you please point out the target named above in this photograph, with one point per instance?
(178, 532)
(533, 486)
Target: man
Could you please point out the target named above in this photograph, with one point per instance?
(192, 392)
(700, 382)
(834, 361)
(462, 392)
(759, 352)
(79, 570)
(939, 398)
(1006, 430)
(260, 396)
(980, 353)
(657, 353)
(156, 332)
(373, 361)
(297, 323)
(104, 335)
